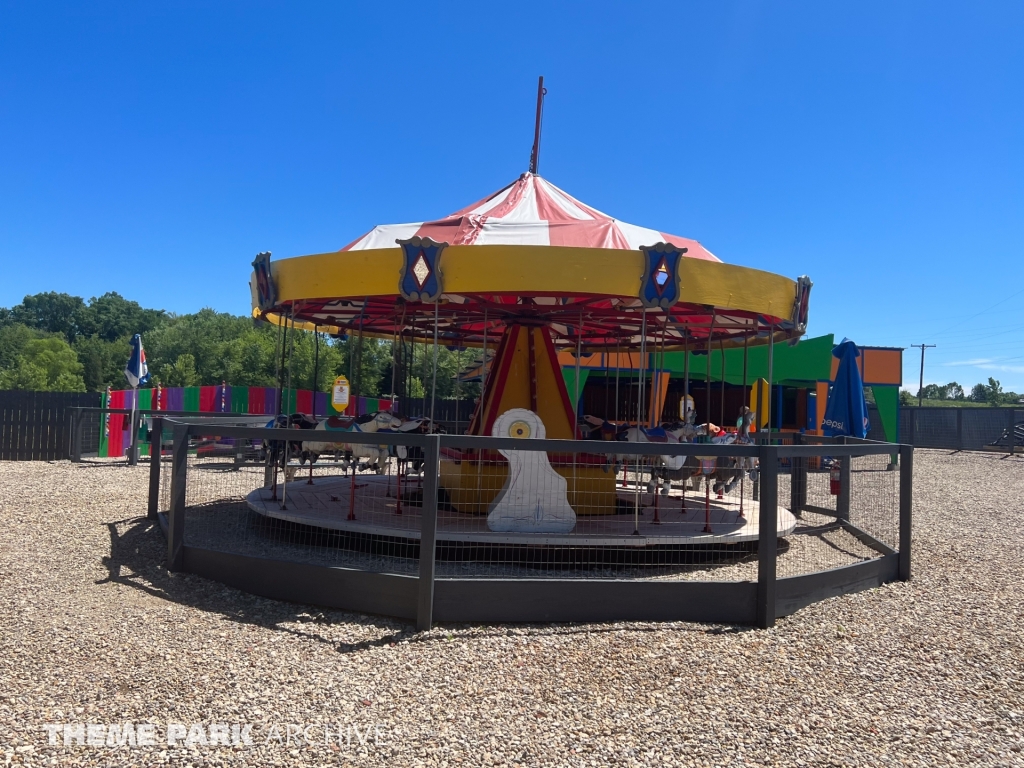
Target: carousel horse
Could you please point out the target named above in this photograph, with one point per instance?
(281, 452)
(412, 455)
(363, 455)
(730, 470)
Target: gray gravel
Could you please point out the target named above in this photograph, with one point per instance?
(94, 630)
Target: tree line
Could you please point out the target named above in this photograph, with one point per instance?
(991, 393)
(58, 342)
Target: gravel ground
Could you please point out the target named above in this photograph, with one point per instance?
(94, 630)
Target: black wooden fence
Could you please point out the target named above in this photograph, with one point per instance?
(956, 429)
(35, 426)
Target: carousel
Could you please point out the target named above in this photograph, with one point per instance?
(518, 277)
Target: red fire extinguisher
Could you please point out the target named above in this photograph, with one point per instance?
(835, 479)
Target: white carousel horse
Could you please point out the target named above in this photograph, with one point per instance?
(367, 456)
(730, 470)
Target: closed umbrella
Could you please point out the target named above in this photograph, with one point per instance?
(847, 411)
(137, 372)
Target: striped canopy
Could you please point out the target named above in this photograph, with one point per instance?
(529, 211)
(530, 253)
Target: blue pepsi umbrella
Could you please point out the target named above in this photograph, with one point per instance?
(137, 372)
(847, 412)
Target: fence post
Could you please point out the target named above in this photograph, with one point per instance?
(1009, 430)
(906, 508)
(77, 416)
(176, 514)
(959, 429)
(428, 533)
(767, 539)
(154, 467)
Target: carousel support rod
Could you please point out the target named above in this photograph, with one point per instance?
(316, 372)
(424, 380)
(618, 363)
(686, 374)
(657, 520)
(398, 482)
(771, 360)
(579, 352)
(483, 365)
(458, 389)
(746, 339)
(659, 397)
(394, 361)
(721, 351)
(352, 492)
(287, 445)
(707, 377)
(532, 355)
(641, 369)
(707, 504)
(535, 154)
(433, 385)
(359, 363)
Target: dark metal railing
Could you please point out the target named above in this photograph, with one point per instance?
(768, 602)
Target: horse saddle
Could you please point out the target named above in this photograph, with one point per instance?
(656, 434)
(612, 431)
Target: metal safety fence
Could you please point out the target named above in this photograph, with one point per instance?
(428, 527)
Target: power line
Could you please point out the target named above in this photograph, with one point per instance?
(989, 308)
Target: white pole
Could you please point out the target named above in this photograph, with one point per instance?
(133, 443)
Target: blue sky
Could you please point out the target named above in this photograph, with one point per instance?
(154, 149)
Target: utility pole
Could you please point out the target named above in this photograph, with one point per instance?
(920, 388)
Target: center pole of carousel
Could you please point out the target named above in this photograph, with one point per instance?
(535, 154)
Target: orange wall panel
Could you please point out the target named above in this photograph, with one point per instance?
(883, 366)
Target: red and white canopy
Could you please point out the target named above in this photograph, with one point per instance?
(529, 211)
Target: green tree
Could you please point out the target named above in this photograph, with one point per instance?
(13, 339)
(994, 392)
(180, 373)
(103, 361)
(52, 313)
(45, 364)
(112, 317)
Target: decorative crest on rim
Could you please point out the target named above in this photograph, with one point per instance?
(659, 284)
(420, 278)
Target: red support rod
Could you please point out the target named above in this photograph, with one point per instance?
(352, 493)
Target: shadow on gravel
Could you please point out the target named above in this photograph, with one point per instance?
(136, 560)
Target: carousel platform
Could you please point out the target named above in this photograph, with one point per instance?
(327, 502)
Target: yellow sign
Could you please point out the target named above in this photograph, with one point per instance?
(339, 394)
